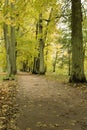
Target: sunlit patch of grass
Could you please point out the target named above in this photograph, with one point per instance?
(62, 78)
(61, 75)
(2, 76)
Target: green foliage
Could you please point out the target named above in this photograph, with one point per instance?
(56, 31)
(2, 58)
(26, 51)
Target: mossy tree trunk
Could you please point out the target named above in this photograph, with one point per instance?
(41, 46)
(13, 44)
(9, 35)
(7, 46)
(7, 42)
(39, 65)
(77, 74)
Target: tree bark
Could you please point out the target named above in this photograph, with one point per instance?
(13, 52)
(13, 45)
(7, 43)
(77, 74)
(55, 62)
(9, 35)
(42, 39)
(41, 45)
(7, 46)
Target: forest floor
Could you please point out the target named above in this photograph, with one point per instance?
(38, 103)
(46, 104)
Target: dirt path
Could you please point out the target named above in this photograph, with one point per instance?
(48, 105)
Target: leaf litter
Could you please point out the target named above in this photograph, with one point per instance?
(8, 106)
(51, 106)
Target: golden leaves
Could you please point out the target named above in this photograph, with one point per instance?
(7, 98)
(45, 125)
(12, 1)
(28, 129)
(67, 129)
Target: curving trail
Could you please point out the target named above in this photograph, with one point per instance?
(49, 105)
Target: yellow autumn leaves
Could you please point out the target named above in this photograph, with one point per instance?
(12, 1)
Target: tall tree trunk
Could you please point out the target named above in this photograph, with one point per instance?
(13, 45)
(36, 62)
(7, 46)
(41, 44)
(36, 65)
(77, 74)
(69, 61)
(7, 43)
(42, 39)
(9, 35)
(13, 52)
(55, 62)
(48, 22)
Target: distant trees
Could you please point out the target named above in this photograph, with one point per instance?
(42, 30)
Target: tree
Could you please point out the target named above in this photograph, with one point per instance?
(44, 25)
(41, 45)
(9, 36)
(77, 74)
(13, 41)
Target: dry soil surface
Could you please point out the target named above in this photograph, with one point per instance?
(48, 105)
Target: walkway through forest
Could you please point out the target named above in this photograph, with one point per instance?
(49, 105)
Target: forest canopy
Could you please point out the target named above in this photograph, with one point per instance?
(44, 36)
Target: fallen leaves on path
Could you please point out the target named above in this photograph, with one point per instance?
(8, 108)
(40, 124)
